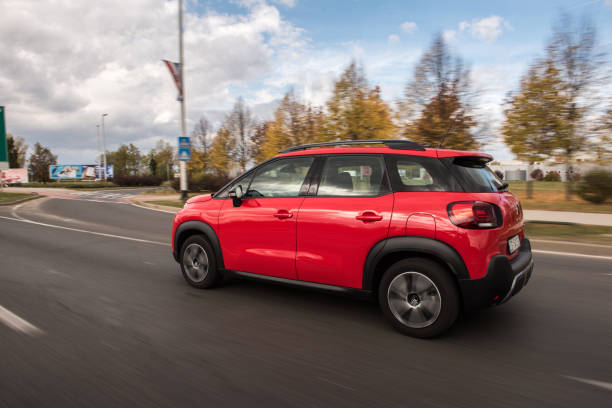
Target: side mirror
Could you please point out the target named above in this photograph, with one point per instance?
(236, 195)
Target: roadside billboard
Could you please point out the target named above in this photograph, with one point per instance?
(14, 176)
(79, 171)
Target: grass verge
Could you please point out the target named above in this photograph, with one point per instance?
(550, 195)
(569, 232)
(168, 203)
(7, 198)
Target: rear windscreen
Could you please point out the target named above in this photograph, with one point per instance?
(475, 176)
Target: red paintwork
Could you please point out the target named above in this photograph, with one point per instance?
(332, 244)
(260, 235)
(320, 239)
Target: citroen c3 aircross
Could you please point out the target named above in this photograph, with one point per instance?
(428, 232)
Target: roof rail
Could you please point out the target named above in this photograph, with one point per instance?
(401, 144)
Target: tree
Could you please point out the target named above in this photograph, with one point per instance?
(535, 118)
(437, 108)
(221, 152)
(240, 124)
(40, 160)
(294, 124)
(573, 53)
(163, 156)
(259, 141)
(355, 111)
(17, 150)
(200, 146)
(126, 160)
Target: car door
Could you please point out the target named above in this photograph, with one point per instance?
(259, 235)
(346, 213)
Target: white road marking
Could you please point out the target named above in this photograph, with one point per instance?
(539, 251)
(551, 241)
(16, 323)
(146, 241)
(336, 384)
(601, 384)
(154, 209)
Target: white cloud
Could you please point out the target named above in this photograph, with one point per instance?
(449, 36)
(288, 3)
(393, 38)
(486, 29)
(409, 27)
(65, 62)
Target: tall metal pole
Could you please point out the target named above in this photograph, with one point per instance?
(98, 154)
(104, 145)
(183, 165)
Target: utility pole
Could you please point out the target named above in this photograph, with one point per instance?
(104, 145)
(183, 165)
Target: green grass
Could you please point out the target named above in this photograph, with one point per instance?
(6, 198)
(569, 232)
(168, 203)
(550, 195)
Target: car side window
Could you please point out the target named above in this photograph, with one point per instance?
(353, 175)
(280, 178)
(412, 174)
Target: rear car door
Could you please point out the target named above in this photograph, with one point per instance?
(259, 236)
(348, 210)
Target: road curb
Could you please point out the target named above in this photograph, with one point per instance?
(155, 207)
(23, 200)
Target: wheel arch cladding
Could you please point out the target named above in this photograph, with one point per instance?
(190, 228)
(390, 250)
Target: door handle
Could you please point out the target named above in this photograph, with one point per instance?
(369, 216)
(283, 214)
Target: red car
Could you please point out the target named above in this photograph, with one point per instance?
(429, 232)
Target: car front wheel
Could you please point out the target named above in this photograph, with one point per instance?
(198, 263)
(419, 297)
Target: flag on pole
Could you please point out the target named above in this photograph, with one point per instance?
(175, 71)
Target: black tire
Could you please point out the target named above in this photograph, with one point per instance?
(203, 278)
(421, 313)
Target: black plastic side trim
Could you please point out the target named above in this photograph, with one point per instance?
(203, 228)
(417, 245)
(310, 285)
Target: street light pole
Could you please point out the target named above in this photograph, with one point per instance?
(104, 145)
(98, 155)
(183, 165)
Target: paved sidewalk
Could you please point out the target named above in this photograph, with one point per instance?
(567, 216)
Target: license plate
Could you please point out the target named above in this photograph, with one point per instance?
(514, 243)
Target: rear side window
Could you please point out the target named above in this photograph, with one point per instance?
(475, 176)
(413, 173)
(353, 175)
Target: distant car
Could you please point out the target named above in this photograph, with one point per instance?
(427, 231)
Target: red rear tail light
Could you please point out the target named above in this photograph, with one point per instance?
(474, 214)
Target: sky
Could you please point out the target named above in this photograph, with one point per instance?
(64, 62)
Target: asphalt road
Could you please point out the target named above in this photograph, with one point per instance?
(112, 323)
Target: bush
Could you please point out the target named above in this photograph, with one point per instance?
(552, 176)
(596, 186)
(537, 175)
(137, 181)
(202, 182)
(575, 176)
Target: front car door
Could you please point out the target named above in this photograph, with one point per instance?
(259, 236)
(348, 214)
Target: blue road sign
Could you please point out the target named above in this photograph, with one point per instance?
(184, 148)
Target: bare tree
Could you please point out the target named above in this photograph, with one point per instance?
(241, 125)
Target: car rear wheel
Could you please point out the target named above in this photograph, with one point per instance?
(198, 263)
(419, 297)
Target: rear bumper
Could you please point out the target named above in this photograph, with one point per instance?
(504, 279)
